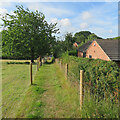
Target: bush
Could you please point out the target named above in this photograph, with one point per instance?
(101, 76)
(73, 52)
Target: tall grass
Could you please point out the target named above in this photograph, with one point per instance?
(100, 85)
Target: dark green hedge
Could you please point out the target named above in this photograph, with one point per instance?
(101, 76)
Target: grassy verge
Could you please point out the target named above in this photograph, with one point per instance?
(51, 96)
(15, 82)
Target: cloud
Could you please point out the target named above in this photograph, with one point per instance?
(3, 11)
(110, 31)
(4, 4)
(65, 22)
(86, 15)
(83, 25)
(49, 10)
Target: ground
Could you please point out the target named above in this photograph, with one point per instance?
(51, 96)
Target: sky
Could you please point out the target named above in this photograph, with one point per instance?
(99, 17)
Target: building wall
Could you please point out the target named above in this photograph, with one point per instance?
(80, 54)
(96, 52)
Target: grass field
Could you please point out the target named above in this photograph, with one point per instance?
(51, 96)
(15, 83)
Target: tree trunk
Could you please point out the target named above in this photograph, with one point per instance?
(32, 55)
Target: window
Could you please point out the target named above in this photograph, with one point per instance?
(94, 44)
(90, 56)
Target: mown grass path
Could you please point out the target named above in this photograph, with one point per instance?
(51, 96)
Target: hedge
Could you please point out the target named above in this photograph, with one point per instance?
(101, 76)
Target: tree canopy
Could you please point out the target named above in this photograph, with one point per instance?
(27, 34)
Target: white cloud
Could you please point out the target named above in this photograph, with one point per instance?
(4, 4)
(86, 15)
(64, 25)
(3, 11)
(54, 20)
(110, 31)
(83, 25)
(65, 22)
(49, 10)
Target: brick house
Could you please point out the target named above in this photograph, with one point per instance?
(100, 49)
(76, 44)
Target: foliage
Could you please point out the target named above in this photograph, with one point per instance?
(84, 36)
(73, 52)
(27, 34)
(68, 43)
(18, 62)
(100, 76)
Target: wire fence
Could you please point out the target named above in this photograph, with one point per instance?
(13, 91)
(97, 90)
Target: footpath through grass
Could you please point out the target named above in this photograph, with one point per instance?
(51, 96)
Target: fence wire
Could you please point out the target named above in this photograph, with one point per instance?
(16, 96)
(89, 89)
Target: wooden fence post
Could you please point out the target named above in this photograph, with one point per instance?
(37, 64)
(81, 88)
(31, 72)
(66, 70)
(60, 64)
(56, 61)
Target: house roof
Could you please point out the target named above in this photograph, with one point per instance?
(110, 47)
(84, 47)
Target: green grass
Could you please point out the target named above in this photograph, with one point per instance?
(15, 83)
(51, 96)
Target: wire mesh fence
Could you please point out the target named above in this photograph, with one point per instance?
(14, 87)
(98, 90)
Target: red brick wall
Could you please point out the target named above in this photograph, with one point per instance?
(96, 52)
(80, 54)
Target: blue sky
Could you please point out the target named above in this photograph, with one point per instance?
(100, 18)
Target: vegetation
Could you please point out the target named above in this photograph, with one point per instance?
(15, 83)
(51, 96)
(27, 34)
(67, 45)
(101, 76)
(100, 85)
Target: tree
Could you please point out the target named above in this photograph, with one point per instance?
(93, 37)
(28, 34)
(69, 41)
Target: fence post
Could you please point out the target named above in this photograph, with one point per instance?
(37, 64)
(81, 88)
(31, 72)
(66, 70)
(60, 64)
(56, 60)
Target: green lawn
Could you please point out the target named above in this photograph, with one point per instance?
(51, 96)
(15, 83)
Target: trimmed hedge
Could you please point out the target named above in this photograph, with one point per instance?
(101, 76)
